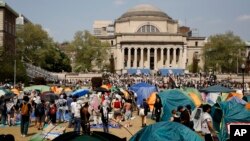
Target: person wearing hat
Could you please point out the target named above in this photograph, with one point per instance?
(25, 109)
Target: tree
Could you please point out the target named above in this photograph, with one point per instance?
(90, 51)
(36, 47)
(222, 52)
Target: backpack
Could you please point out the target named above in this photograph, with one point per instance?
(52, 110)
(25, 109)
(40, 109)
(117, 104)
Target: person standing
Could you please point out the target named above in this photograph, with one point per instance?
(26, 109)
(144, 108)
(158, 109)
(85, 115)
(62, 103)
(104, 110)
(77, 116)
(207, 123)
(52, 112)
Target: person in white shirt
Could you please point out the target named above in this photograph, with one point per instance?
(72, 105)
(207, 123)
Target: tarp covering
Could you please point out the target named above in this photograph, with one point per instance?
(166, 131)
(165, 72)
(233, 111)
(151, 101)
(216, 89)
(143, 90)
(171, 99)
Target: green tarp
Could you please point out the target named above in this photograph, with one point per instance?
(171, 99)
(232, 111)
(166, 131)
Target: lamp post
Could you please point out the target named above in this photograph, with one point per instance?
(200, 79)
(243, 71)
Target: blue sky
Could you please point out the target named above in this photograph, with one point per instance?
(62, 18)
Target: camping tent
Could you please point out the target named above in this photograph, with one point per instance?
(143, 91)
(216, 89)
(232, 111)
(166, 131)
(171, 99)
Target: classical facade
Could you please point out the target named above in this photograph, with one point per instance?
(146, 39)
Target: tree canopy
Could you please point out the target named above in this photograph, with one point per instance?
(90, 52)
(223, 52)
(36, 47)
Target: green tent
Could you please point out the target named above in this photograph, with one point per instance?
(217, 89)
(192, 90)
(230, 111)
(41, 88)
(171, 99)
(166, 131)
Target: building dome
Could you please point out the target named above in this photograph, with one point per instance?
(144, 11)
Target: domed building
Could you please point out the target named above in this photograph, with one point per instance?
(146, 39)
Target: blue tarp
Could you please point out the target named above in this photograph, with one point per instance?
(233, 111)
(165, 72)
(166, 131)
(143, 90)
(171, 99)
(137, 71)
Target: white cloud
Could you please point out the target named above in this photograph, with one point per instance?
(243, 18)
(119, 2)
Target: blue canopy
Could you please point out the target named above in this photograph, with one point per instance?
(166, 131)
(171, 99)
(165, 72)
(80, 92)
(138, 71)
(233, 111)
(143, 90)
(216, 88)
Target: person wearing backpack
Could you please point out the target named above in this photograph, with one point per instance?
(25, 109)
(40, 112)
(52, 112)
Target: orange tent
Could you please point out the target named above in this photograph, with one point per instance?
(197, 101)
(67, 89)
(105, 87)
(151, 100)
(15, 91)
(240, 96)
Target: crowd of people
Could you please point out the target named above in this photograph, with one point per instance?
(101, 108)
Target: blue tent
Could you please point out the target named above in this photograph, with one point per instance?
(143, 90)
(166, 131)
(80, 92)
(171, 99)
(232, 111)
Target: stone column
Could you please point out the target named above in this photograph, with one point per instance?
(155, 59)
(162, 58)
(148, 57)
(129, 58)
(141, 60)
(168, 57)
(184, 57)
(122, 58)
(135, 58)
(174, 58)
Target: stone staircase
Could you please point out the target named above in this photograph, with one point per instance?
(34, 71)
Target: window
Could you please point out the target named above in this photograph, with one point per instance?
(148, 28)
(196, 43)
